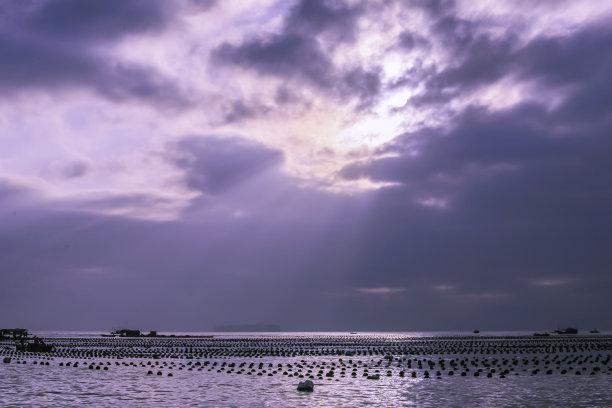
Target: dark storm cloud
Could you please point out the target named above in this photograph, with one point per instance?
(580, 62)
(525, 194)
(37, 64)
(214, 164)
(285, 56)
(549, 152)
(21, 63)
(480, 59)
(477, 59)
(433, 7)
(91, 20)
(578, 58)
(296, 52)
(455, 32)
(241, 110)
(51, 45)
(312, 17)
(365, 84)
(409, 41)
(480, 140)
(484, 61)
(284, 96)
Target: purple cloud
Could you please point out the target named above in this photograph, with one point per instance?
(330, 156)
(214, 164)
(53, 45)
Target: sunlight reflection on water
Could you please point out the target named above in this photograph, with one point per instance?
(37, 385)
(30, 385)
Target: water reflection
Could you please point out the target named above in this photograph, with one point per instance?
(128, 383)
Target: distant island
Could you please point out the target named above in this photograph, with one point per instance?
(258, 327)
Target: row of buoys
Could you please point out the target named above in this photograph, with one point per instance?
(326, 345)
(412, 358)
(150, 372)
(262, 354)
(374, 369)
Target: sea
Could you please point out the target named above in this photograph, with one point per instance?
(36, 380)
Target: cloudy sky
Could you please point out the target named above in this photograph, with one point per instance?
(320, 164)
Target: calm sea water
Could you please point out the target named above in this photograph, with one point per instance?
(36, 385)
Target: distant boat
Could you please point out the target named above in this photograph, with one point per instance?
(545, 334)
(353, 332)
(38, 346)
(569, 330)
(126, 333)
(594, 331)
(476, 331)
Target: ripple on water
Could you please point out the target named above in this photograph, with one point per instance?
(54, 385)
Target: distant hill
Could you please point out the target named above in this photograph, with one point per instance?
(258, 327)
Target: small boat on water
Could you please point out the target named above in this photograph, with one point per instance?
(38, 346)
(569, 330)
(476, 331)
(594, 331)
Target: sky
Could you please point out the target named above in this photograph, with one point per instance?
(384, 165)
